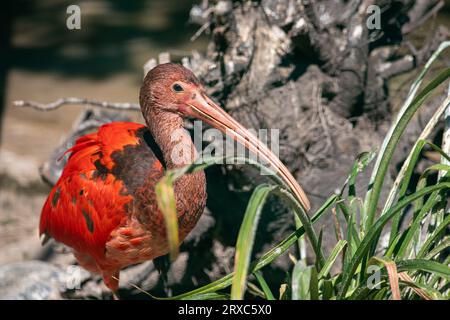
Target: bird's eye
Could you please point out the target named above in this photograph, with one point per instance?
(177, 88)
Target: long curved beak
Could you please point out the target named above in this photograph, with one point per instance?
(200, 106)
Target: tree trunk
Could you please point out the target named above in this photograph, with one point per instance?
(318, 73)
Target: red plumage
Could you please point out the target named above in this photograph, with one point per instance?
(87, 204)
(104, 204)
(80, 201)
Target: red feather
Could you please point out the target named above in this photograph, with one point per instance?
(83, 207)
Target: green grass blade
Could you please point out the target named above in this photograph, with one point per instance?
(361, 293)
(418, 204)
(353, 240)
(415, 86)
(394, 244)
(314, 285)
(424, 265)
(306, 223)
(390, 143)
(328, 290)
(361, 162)
(267, 258)
(412, 92)
(404, 176)
(300, 283)
(375, 230)
(332, 258)
(246, 238)
(433, 237)
(414, 228)
(393, 134)
(443, 245)
(165, 198)
(265, 287)
(209, 296)
(388, 148)
(406, 170)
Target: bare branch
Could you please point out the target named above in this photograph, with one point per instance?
(421, 14)
(391, 69)
(200, 30)
(83, 101)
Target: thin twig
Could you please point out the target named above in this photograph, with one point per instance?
(200, 31)
(417, 23)
(71, 100)
(137, 288)
(322, 118)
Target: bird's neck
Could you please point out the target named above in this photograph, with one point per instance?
(174, 141)
(178, 150)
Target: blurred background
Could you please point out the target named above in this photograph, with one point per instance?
(41, 60)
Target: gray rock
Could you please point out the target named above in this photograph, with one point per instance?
(30, 280)
(37, 280)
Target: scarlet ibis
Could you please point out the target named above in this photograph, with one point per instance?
(104, 204)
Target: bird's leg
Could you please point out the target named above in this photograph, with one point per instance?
(111, 280)
(162, 264)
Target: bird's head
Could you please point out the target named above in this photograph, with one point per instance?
(171, 88)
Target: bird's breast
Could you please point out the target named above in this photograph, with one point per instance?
(143, 236)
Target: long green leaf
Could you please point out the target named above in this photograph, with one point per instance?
(265, 287)
(209, 296)
(314, 285)
(306, 223)
(406, 169)
(424, 265)
(332, 258)
(413, 90)
(267, 258)
(432, 238)
(404, 176)
(301, 279)
(443, 245)
(390, 143)
(327, 289)
(406, 111)
(415, 225)
(166, 202)
(374, 231)
(388, 148)
(246, 238)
